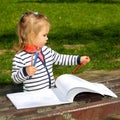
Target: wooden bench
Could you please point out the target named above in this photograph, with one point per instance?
(86, 106)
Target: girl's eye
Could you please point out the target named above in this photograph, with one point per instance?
(45, 35)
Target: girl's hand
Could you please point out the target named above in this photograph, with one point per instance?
(31, 70)
(84, 59)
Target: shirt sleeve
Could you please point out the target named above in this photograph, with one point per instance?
(18, 70)
(63, 59)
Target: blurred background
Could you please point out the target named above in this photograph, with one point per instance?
(84, 27)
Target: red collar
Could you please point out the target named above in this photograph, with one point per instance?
(31, 48)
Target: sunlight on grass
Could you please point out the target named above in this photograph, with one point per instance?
(84, 27)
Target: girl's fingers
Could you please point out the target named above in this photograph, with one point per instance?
(85, 60)
(30, 70)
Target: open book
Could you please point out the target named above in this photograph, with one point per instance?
(67, 87)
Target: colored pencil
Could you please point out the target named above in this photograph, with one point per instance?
(35, 60)
(32, 59)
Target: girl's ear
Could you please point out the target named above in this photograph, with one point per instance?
(31, 38)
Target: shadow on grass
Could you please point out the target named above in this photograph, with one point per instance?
(71, 1)
(67, 35)
(7, 40)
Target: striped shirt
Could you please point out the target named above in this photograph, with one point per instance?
(43, 77)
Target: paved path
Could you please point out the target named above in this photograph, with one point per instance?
(101, 75)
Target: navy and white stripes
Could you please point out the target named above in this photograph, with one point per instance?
(43, 77)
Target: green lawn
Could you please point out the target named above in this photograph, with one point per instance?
(89, 27)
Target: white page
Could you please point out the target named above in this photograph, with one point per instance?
(45, 97)
(66, 82)
(101, 88)
(71, 85)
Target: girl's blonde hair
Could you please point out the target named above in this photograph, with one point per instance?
(30, 24)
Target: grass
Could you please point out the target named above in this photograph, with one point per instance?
(89, 27)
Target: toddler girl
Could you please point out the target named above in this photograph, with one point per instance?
(33, 63)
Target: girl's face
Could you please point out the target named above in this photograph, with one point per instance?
(41, 38)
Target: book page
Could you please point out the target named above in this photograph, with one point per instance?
(45, 97)
(103, 90)
(71, 85)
